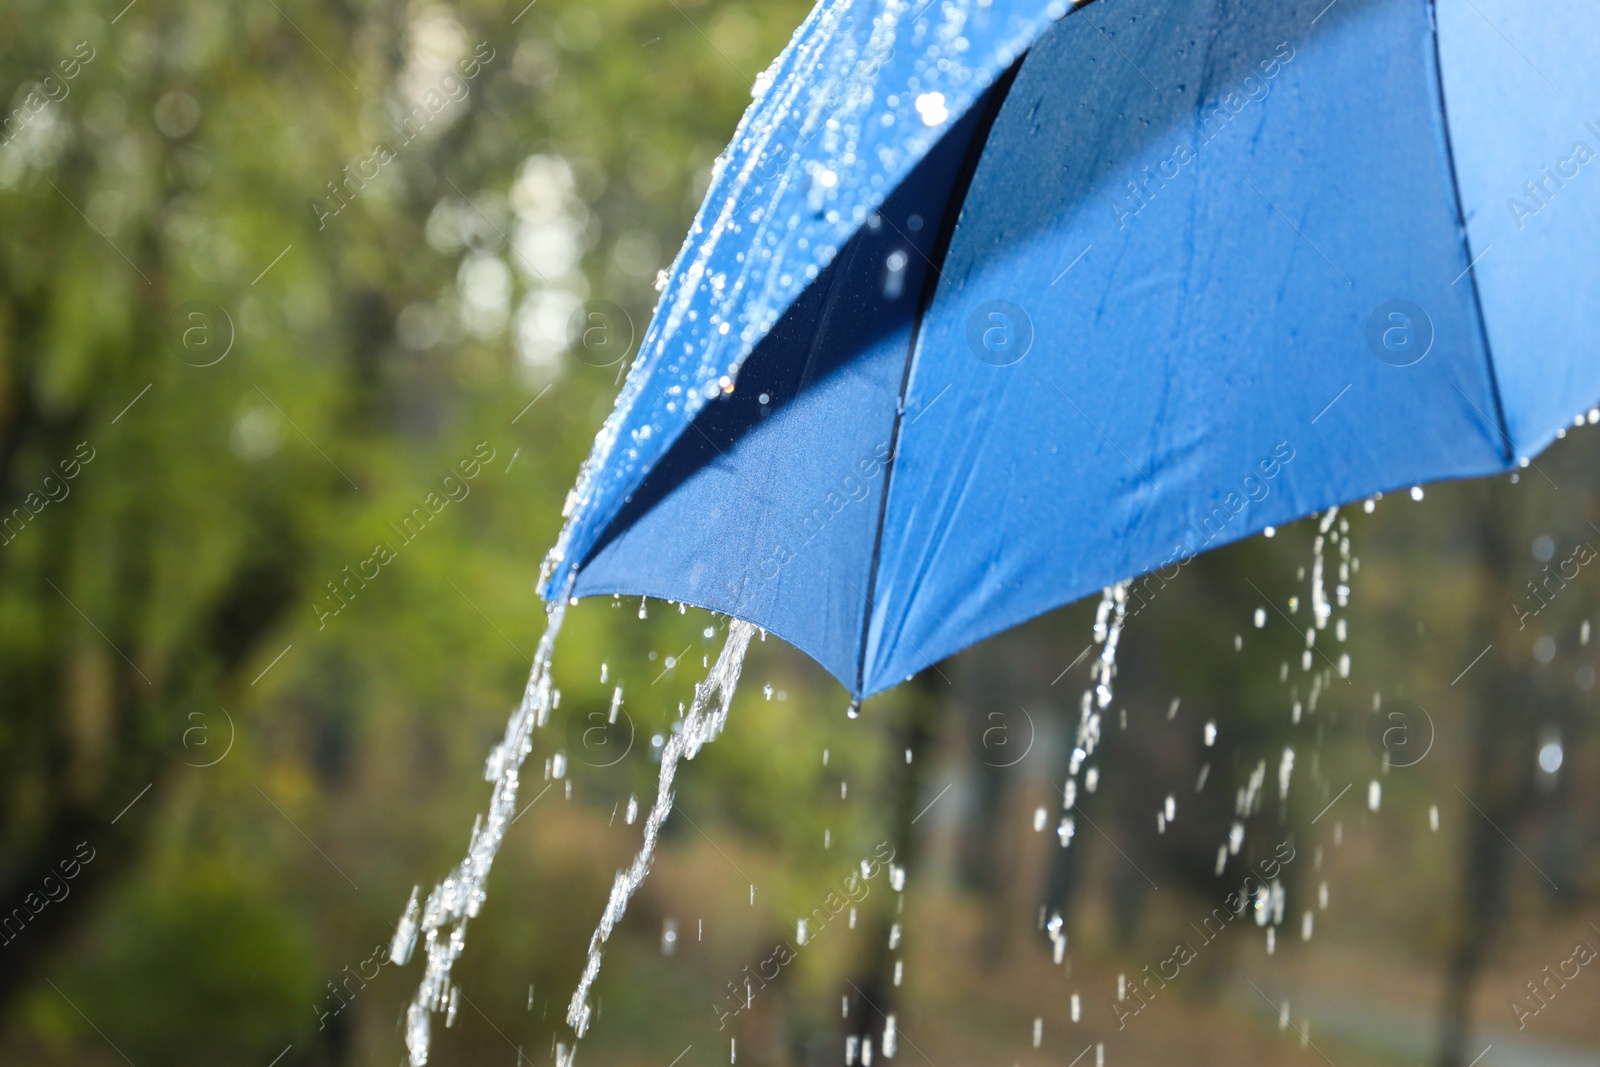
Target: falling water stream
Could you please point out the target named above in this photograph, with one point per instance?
(460, 895)
(1331, 555)
(442, 919)
(1109, 618)
(701, 724)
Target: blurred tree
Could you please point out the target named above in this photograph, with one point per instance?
(212, 216)
(1516, 709)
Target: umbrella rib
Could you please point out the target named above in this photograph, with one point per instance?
(1466, 244)
(958, 195)
(1504, 436)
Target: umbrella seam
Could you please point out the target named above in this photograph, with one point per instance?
(1509, 447)
(969, 165)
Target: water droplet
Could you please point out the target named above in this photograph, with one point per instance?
(405, 934)
(823, 181)
(932, 108)
(894, 274)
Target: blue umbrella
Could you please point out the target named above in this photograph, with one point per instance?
(992, 304)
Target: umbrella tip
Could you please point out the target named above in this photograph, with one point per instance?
(854, 710)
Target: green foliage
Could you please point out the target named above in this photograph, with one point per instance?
(265, 385)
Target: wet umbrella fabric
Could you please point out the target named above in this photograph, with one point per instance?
(960, 337)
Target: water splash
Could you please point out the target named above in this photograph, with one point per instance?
(1109, 617)
(701, 723)
(1321, 610)
(460, 895)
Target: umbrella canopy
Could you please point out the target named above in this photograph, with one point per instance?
(992, 304)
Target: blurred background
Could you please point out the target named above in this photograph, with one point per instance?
(282, 282)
